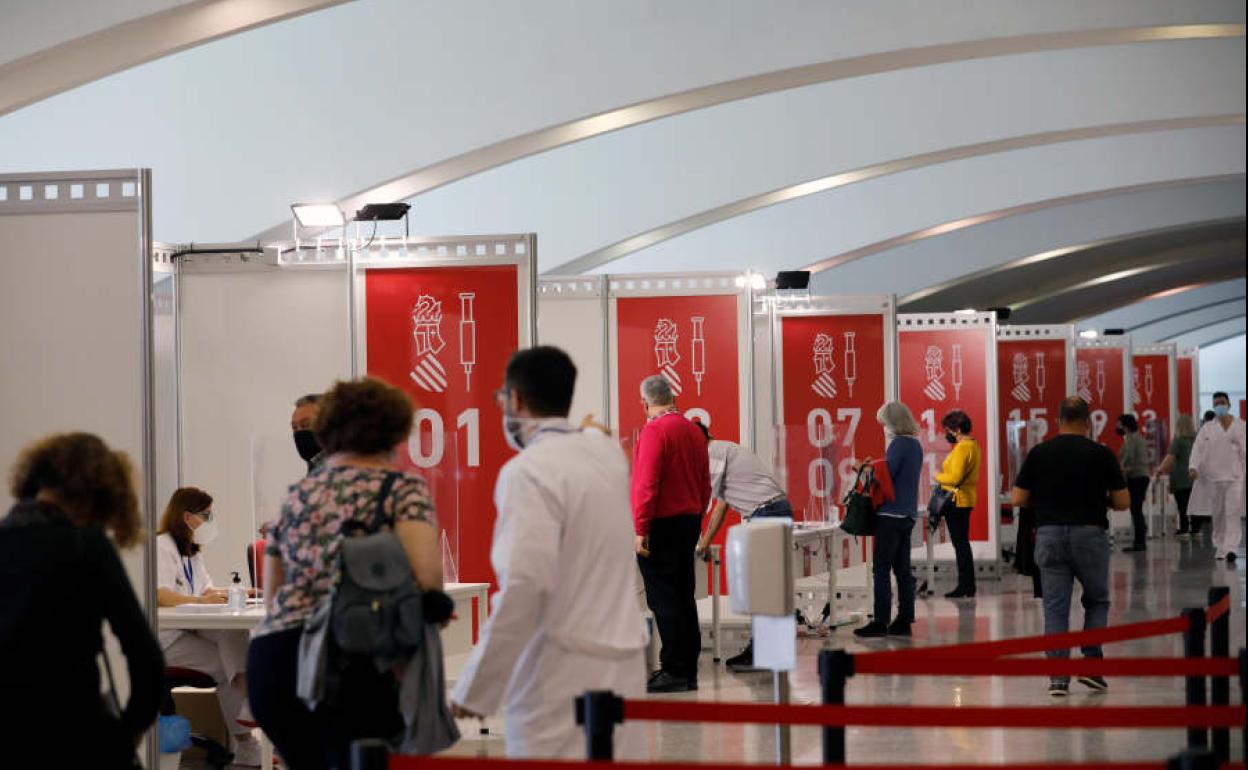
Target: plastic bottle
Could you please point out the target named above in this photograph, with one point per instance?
(238, 594)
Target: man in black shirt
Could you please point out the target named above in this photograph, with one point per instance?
(1069, 481)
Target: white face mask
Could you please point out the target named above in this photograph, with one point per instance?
(205, 533)
(518, 430)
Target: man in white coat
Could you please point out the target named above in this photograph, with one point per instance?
(565, 619)
(1217, 467)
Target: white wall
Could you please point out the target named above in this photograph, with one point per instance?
(577, 326)
(1222, 368)
(253, 340)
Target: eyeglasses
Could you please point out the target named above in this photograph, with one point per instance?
(205, 515)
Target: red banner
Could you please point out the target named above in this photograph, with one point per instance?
(444, 335)
(1150, 390)
(1031, 383)
(832, 385)
(1098, 380)
(1186, 367)
(942, 370)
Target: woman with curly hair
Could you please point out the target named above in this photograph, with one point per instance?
(62, 581)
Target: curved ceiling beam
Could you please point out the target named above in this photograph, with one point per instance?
(608, 254)
(91, 57)
(1210, 343)
(992, 216)
(1186, 332)
(542, 140)
(1185, 311)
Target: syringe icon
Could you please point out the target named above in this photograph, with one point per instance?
(1040, 374)
(1148, 382)
(851, 361)
(699, 350)
(957, 372)
(467, 336)
(1100, 382)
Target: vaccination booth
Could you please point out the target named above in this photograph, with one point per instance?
(1187, 372)
(1155, 394)
(1103, 379)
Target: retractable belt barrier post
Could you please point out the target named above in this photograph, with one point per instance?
(835, 666)
(599, 711)
(370, 754)
(1193, 759)
(1220, 647)
(1243, 694)
(1194, 647)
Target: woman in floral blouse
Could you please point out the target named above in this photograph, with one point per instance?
(359, 426)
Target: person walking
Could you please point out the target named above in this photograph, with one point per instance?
(62, 581)
(1217, 468)
(671, 487)
(359, 425)
(1175, 465)
(960, 474)
(563, 621)
(740, 480)
(303, 428)
(1067, 480)
(1133, 457)
(894, 523)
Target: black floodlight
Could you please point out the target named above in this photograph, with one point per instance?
(1003, 313)
(1113, 332)
(792, 280)
(382, 212)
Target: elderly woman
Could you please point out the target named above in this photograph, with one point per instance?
(894, 523)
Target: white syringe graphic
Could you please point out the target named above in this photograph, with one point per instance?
(699, 350)
(851, 362)
(1100, 382)
(1148, 382)
(957, 372)
(1040, 374)
(467, 336)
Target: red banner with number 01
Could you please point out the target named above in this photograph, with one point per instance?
(1099, 381)
(942, 369)
(832, 384)
(444, 334)
(1031, 383)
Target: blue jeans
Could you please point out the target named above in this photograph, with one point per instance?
(775, 509)
(892, 553)
(1065, 553)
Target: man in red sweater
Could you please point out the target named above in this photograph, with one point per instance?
(671, 487)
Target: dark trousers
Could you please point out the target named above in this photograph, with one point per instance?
(669, 578)
(1181, 498)
(1137, 486)
(959, 524)
(891, 553)
(366, 705)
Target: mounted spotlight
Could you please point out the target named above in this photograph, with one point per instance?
(1113, 332)
(1003, 313)
(1088, 334)
(318, 215)
(382, 212)
(793, 280)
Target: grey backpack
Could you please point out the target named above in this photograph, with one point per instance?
(376, 607)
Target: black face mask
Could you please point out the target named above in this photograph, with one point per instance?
(951, 438)
(306, 445)
(1121, 431)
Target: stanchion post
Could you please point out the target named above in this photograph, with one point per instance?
(598, 712)
(1193, 759)
(835, 666)
(716, 553)
(370, 754)
(1243, 694)
(1220, 686)
(1194, 647)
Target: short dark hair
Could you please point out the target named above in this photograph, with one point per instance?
(957, 420)
(1129, 422)
(366, 417)
(1208, 415)
(1221, 394)
(1074, 410)
(311, 398)
(545, 378)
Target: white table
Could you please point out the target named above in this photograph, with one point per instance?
(805, 535)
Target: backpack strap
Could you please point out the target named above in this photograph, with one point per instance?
(379, 515)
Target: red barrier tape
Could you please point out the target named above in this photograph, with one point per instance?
(937, 716)
(1097, 636)
(481, 763)
(1216, 611)
(950, 666)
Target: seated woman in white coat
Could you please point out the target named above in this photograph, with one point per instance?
(182, 578)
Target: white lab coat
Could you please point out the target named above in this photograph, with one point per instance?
(220, 654)
(565, 619)
(1218, 459)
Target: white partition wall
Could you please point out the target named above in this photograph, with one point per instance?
(572, 315)
(76, 327)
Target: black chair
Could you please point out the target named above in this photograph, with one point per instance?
(218, 756)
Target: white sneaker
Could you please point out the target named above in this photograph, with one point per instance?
(246, 751)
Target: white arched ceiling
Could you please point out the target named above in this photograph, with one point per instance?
(1197, 318)
(31, 26)
(1175, 303)
(1210, 335)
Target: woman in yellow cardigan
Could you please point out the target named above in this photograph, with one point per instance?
(960, 475)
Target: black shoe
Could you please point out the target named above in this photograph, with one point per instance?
(1097, 683)
(1230, 557)
(1135, 549)
(662, 681)
(872, 630)
(961, 593)
(899, 628)
(1059, 689)
(742, 661)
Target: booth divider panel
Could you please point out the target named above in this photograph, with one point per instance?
(1100, 379)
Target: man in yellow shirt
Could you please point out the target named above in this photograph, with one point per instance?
(960, 475)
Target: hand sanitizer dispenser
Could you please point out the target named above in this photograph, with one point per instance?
(760, 573)
(238, 595)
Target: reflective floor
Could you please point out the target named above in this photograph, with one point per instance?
(1160, 583)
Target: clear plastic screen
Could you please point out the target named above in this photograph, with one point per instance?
(814, 468)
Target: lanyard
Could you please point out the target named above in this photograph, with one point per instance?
(188, 569)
